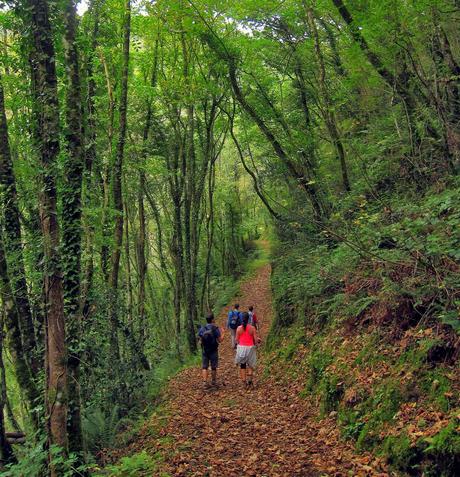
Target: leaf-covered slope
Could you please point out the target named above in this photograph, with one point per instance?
(369, 331)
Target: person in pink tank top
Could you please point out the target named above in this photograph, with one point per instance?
(246, 356)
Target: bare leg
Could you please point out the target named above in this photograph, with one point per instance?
(243, 375)
(204, 373)
(233, 336)
(250, 373)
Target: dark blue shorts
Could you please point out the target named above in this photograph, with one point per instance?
(210, 357)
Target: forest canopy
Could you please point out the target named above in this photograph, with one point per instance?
(145, 145)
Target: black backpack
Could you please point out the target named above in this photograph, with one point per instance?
(234, 319)
(209, 339)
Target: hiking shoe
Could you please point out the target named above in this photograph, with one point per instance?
(206, 385)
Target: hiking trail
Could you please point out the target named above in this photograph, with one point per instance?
(268, 430)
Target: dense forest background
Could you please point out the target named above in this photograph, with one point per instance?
(145, 145)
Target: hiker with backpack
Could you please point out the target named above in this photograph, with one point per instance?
(246, 356)
(233, 321)
(210, 336)
(253, 318)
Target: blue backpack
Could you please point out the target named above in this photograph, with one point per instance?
(234, 319)
(209, 338)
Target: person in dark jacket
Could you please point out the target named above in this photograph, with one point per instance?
(210, 336)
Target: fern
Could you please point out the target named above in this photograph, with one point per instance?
(100, 428)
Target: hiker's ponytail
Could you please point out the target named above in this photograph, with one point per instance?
(245, 320)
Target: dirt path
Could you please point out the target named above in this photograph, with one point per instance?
(265, 431)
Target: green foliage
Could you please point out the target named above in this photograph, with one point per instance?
(444, 451)
(321, 291)
(383, 255)
(330, 391)
(432, 456)
(168, 367)
(380, 408)
(100, 428)
(401, 454)
(437, 387)
(34, 462)
(317, 366)
(137, 465)
(368, 354)
(351, 422)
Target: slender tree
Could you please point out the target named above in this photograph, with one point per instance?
(44, 69)
(6, 452)
(71, 223)
(21, 338)
(117, 181)
(328, 108)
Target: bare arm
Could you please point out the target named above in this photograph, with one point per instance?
(221, 337)
(238, 334)
(255, 335)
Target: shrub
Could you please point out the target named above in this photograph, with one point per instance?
(443, 451)
(137, 465)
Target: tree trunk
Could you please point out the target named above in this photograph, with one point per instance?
(127, 274)
(117, 184)
(48, 148)
(90, 157)
(177, 255)
(189, 198)
(22, 345)
(337, 61)
(10, 414)
(309, 187)
(105, 173)
(90, 178)
(141, 259)
(6, 452)
(328, 108)
(135, 341)
(357, 36)
(71, 224)
(13, 242)
(22, 371)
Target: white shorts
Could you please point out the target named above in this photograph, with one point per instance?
(246, 355)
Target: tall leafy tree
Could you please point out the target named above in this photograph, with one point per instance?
(46, 98)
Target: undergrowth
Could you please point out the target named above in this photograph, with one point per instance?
(370, 328)
(137, 465)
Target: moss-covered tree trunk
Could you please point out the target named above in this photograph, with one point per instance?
(6, 452)
(21, 339)
(117, 185)
(71, 222)
(48, 150)
(91, 183)
(13, 242)
(189, 198)
(142, 234)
